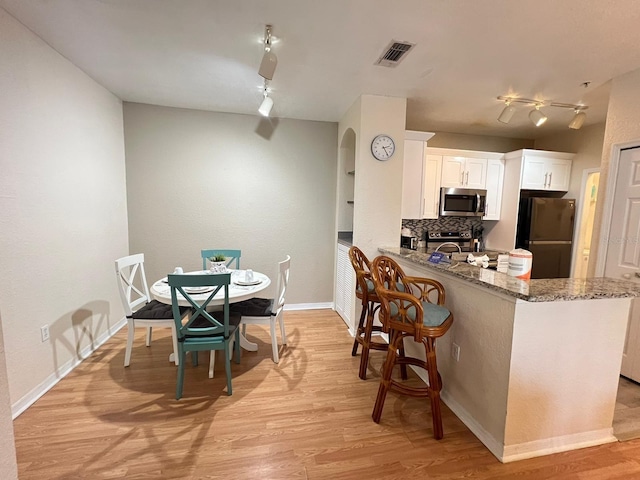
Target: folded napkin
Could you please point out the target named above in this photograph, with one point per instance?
(482, 261)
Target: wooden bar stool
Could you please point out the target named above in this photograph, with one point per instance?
(418, 315)
(365, 291)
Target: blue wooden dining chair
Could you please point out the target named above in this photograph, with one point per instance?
(204, 330)
(232, 255)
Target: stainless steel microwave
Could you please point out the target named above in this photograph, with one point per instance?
(462, 202)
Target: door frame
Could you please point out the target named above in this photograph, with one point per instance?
(577, 231)
(607, 212)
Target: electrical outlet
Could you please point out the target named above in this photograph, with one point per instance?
(455, 351)
(44, 331)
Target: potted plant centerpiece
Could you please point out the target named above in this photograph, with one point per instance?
(218, 264)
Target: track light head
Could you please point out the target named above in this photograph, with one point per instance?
(507, 113)
(537, 117)
(268, 65)
(578, 119)
(266, 106)
(267, 102)
(269, 60)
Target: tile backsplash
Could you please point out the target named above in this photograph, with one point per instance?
(419, 227)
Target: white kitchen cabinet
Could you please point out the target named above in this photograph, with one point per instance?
(460, 171)
(431, 186)
(495, 180)
(344, 285)
(545, 173)
(525, 170)
(413, 174)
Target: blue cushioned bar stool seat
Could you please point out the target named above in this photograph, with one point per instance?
(365, 291)
(410, 307)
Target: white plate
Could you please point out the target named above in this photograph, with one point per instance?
(198, 289)
(247, 284)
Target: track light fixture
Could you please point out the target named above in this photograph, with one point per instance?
(269, 60)
(536, 116)
(578, 119)
(507, 113)
(267, 102)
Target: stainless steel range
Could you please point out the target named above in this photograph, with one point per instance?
(447, 241)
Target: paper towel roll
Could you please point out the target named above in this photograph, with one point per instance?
(520, 262)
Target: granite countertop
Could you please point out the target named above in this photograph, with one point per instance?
(536, 290)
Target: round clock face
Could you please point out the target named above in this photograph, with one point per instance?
(382, 147)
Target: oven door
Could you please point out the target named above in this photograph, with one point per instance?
(462, 202)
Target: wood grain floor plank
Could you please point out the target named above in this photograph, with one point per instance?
(309, 418)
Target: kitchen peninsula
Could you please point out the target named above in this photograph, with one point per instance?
(539, 360)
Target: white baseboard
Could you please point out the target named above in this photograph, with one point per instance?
(493, 445)
(308, 306)
(62, 371)
(485, 437)
(522, 451)
(551, 445)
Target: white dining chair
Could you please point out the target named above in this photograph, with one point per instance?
(139, 309)
(267, 311)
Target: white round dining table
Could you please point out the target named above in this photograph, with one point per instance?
(238, 291)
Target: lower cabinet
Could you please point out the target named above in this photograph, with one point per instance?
(344, 285)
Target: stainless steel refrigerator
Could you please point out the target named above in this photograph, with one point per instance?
(545, 228)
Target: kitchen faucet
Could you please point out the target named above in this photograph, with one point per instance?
(449, 243)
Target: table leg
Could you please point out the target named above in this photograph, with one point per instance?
(247, 345)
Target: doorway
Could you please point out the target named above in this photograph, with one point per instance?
(619, 258)
(586, 216)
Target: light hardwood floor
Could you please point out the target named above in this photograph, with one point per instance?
(307, 418)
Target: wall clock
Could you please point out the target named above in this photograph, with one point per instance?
(382, 147)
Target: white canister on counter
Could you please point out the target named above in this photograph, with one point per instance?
(520, 262)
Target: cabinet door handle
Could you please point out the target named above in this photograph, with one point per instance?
(550, 174)
(545, 179)
(462, 178)
(466, 182)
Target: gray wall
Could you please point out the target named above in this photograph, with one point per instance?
(63, 211)
(200, 179)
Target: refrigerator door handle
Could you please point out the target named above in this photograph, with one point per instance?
(550, 242)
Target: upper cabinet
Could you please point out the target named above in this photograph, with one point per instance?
(541, 171)
(495, 182)
(469, 169)
(431, 186)
(415, 170)
(459, 171)
(426, 170)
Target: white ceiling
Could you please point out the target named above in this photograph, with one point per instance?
(204, 54)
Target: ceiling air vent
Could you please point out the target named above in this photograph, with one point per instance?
(394, 53)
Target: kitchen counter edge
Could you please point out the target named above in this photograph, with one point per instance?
(535, 290)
